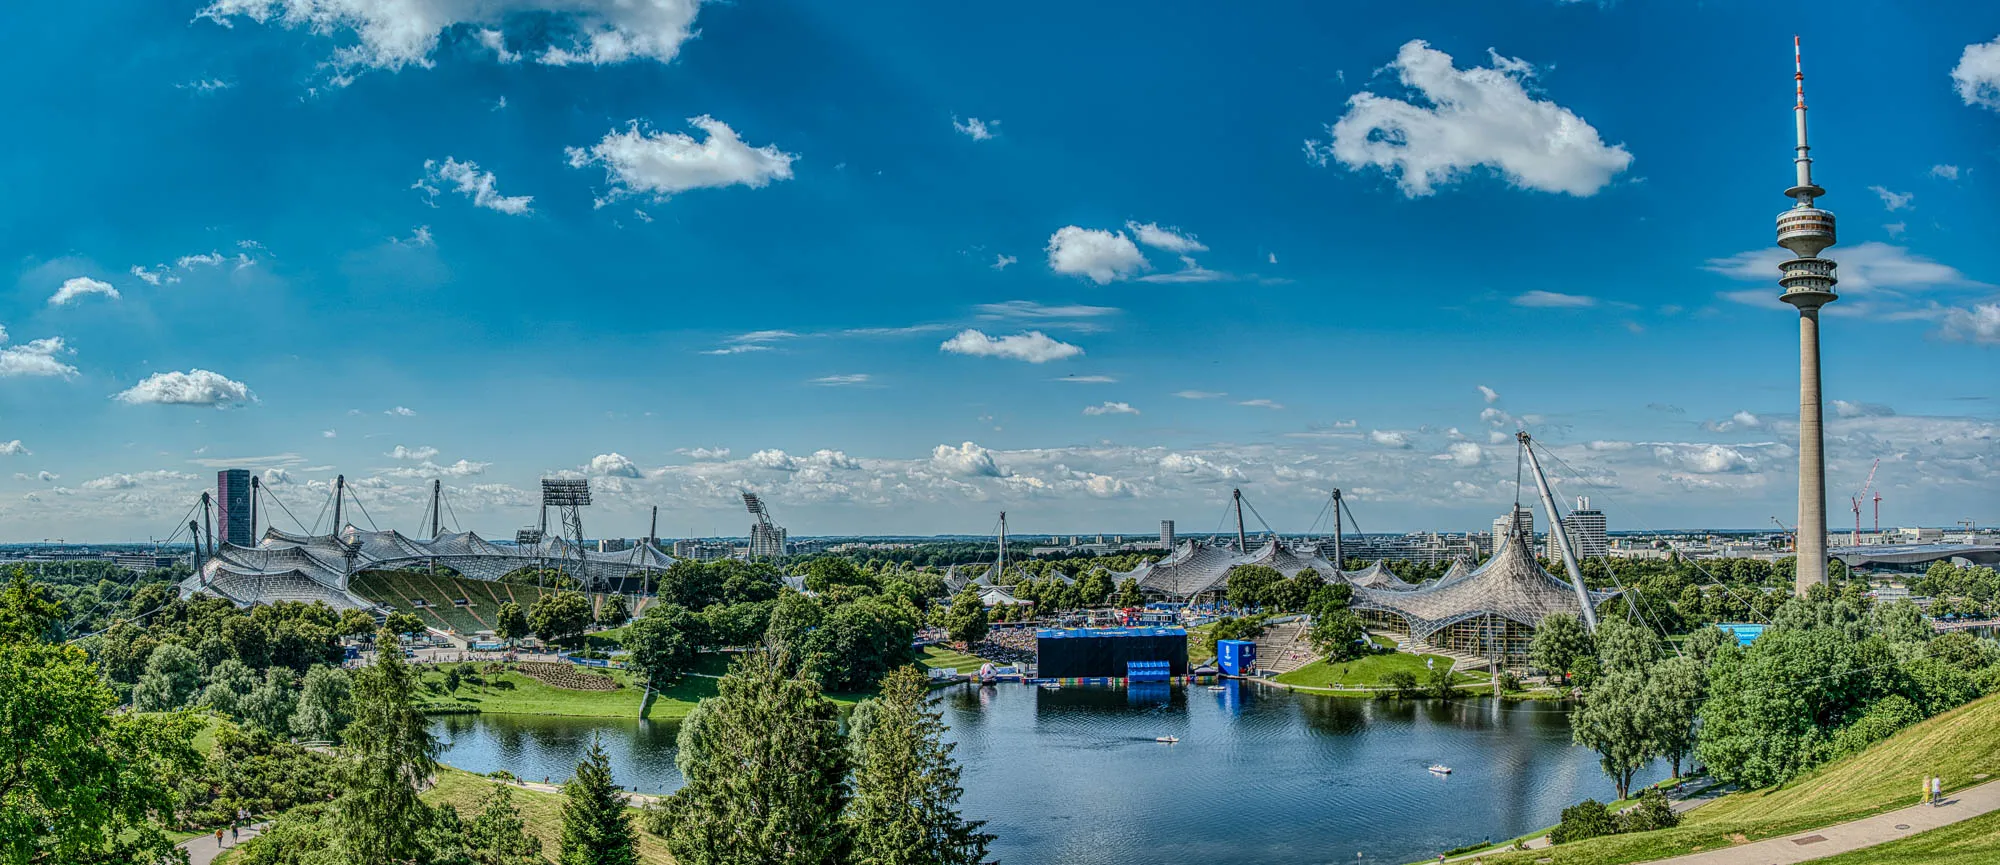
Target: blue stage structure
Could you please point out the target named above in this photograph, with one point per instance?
(1236, 657)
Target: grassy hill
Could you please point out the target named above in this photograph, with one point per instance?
(542, 812)
(1961, 746)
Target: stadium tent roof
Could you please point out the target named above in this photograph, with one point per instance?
(1511, 585)
(289, 567)
(1195, 567)
(1378, 576)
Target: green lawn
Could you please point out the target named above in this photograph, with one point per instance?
(514, 693)
(1367, 672)
(1960, 746)
(1972, 842)
(542, 812)
(947, 658)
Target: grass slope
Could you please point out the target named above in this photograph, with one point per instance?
(1366, 672)
(1961, 746)
(1973, 842)
(542, 812)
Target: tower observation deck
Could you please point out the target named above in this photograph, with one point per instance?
(1808, 282)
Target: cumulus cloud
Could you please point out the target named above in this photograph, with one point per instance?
(1737, 421)
(1977, 75)
(401, 411)
(1545, 299)
(81, 286)
(613, 465)
(158, 275)
(1389, 438)
(1100, 256)
(13, 449)
(1945, 172)
(1462, 454)
(35, 359)
(276, 477)
(386, 34)
(1490, 395)
(418, 454)
(1881, 273)
(1000, 262)
(1703, 459)
(466, 179)
(1108, 407)
(1979, 324)
(1891, 200)
(1467, 119)
(1170, 239)
(704, 453)
(1033, 346)
(194, 387)
(639, 161)
(966, 460)
(975, 128)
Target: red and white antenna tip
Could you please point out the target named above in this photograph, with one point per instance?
(1799, 71)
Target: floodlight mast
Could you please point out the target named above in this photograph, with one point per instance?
(566, 495)
(1561, 537)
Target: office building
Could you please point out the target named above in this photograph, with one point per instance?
(1167, 534)
(232, 508)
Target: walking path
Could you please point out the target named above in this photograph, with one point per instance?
(1865, 832)
(202, 849)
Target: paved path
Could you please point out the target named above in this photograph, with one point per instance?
(202, 850)
(1865, 832)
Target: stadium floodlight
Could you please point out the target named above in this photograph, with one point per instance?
(565, 492)
(527, 537)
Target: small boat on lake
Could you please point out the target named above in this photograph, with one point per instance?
(1440, 769)
(1217, 688)
(1167, 739)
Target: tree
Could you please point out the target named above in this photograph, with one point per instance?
(323, 705)
(1559, 642)
(1586, 819)
(1675, 690)
(965, 620)
(862, 640)
(1249, 585)
(1339, 635)
(1901, 623)
(770, 784)
(1616, 722)
(1440, 683)
(269, 706)
(1623, 646)
(559, 616)
(392, 752)
(29, 609)
(228, 683)
(596, 830)
(1128, 593)
(1403, 684)
(452, 679)
(510, 623)
(663, 642)
(354, 623)
(1094, 588)
(824, 573)
(1293, 593)
(905, 809)
(614, 612)
(171, 677)
(403, 622)
(498, 836)
(1652, 812)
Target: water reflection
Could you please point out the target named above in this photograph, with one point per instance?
(1074, 776)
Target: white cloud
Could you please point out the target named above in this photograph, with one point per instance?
(388, 34)
(1476, 117)
(401, 411)
(1033, 346)
(276, 477)
(327, 434)
(1539, 298)
(1170, 239)
(1945, 172)
(1738, 421)
(111, 482)
(1895, 229)
(1389, 439)
(1088, 379)
(418, 454)
(1101, 256)
(1462, 454)
(613, 465)
(420, 238)
(1979, 324)
(1843, 408)
(841, 380)
(156, 276)
(661, 164)
(80, 286)
(1262, 403)
(975, 128)
(36, 358)
(966, 460)
(1704, 459)
(756, 340)
(1033, 310)
(1892, 201)
(14, 449)
(123, 481)
(1881, 270)
(1200, 394)
(210, 259)
(1108, 407)
(194, 387)
(705, 453)
(1190, 271)
(205, 85)
(1000, 262)
(1977, 75)
(1490, 395)
(466, 179)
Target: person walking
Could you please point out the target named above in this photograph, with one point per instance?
(218, 837)
(1937, 791)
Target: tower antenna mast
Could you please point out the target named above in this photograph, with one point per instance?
(1808, 281)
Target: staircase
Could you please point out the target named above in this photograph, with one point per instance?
(1283, 647)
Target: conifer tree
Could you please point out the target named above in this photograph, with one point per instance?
(596, 829)
(498, 836)
(392, 752)
(906, 791)
(770, 785)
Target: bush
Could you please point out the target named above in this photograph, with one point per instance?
(1651, 813)
(1509, 682)
(1402, 684)
(1586, 819)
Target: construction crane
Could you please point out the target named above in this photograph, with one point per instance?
(1789, 542)
(1866, 488)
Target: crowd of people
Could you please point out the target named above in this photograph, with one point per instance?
(1007, 646)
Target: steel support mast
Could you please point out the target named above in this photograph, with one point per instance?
(1561, 537)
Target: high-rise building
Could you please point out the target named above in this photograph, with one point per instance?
(1808, 281)
(767, 540)
(1167, 535)
(1520, 518)
(232, 507)
(1586, 530)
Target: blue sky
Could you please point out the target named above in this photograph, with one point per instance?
(900, 266)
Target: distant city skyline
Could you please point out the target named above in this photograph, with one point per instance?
(893, 279)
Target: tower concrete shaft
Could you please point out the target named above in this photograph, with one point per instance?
(1808, 281)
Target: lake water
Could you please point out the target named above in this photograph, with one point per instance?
(1261, 775)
